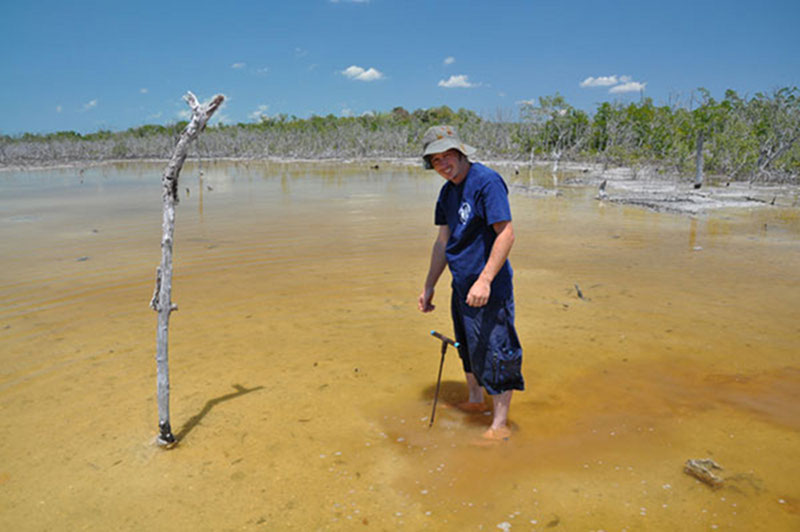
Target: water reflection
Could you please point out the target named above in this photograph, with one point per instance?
(693, 235)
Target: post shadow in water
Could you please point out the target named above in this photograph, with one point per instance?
(192, 422)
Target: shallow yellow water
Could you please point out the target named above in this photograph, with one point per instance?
(303, 375)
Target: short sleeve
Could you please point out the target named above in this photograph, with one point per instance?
(495, 201)
(439, 217)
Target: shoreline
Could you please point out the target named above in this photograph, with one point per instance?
(637, 187)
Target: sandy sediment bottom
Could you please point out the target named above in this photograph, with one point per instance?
(303, 376)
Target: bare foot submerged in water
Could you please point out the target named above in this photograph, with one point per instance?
(497, 435)
(493, 437)
(499, 430)
(473, 408)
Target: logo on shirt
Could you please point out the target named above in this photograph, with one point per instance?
(464, 211)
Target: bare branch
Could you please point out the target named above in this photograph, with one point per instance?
(162, 299)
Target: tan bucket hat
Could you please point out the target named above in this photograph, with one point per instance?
(439, 139)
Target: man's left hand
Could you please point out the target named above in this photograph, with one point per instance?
(478, 295)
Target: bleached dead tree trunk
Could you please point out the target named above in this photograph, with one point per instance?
(698, 161)
(162, 298)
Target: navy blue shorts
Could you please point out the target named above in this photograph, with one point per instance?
(489, 345)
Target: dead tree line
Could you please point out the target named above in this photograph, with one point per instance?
(743, 138)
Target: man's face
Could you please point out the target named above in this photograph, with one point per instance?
(451, 165)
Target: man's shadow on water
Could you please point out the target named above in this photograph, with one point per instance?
(193, 421)
(452, 393)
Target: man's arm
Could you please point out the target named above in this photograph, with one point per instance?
(438, 263)
(479, 293)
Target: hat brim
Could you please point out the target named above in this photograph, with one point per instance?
(442, 145)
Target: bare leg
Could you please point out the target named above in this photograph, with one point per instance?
(475, 390)
(475, 404)
(501, 404)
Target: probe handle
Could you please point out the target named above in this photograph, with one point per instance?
(445, 339)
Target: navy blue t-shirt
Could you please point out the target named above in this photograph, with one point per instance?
(469, 210)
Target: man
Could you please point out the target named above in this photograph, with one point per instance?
(474, 240)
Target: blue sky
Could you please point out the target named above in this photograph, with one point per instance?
(89, 65)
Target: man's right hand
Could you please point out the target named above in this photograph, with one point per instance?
(425, 301)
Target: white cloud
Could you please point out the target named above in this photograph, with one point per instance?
(90, 105)
(58, 108)
(631, 86)
(238, 65)
(184, 114)
(370, 75)
(358, 73)
(353, 71)
(349, 1)
(601, 81)
(449, 60)
(618, 84)
(143, 91)
(346, 111)
(460, 81)
(259, 113)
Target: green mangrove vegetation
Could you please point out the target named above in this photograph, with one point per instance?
(741, 138)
